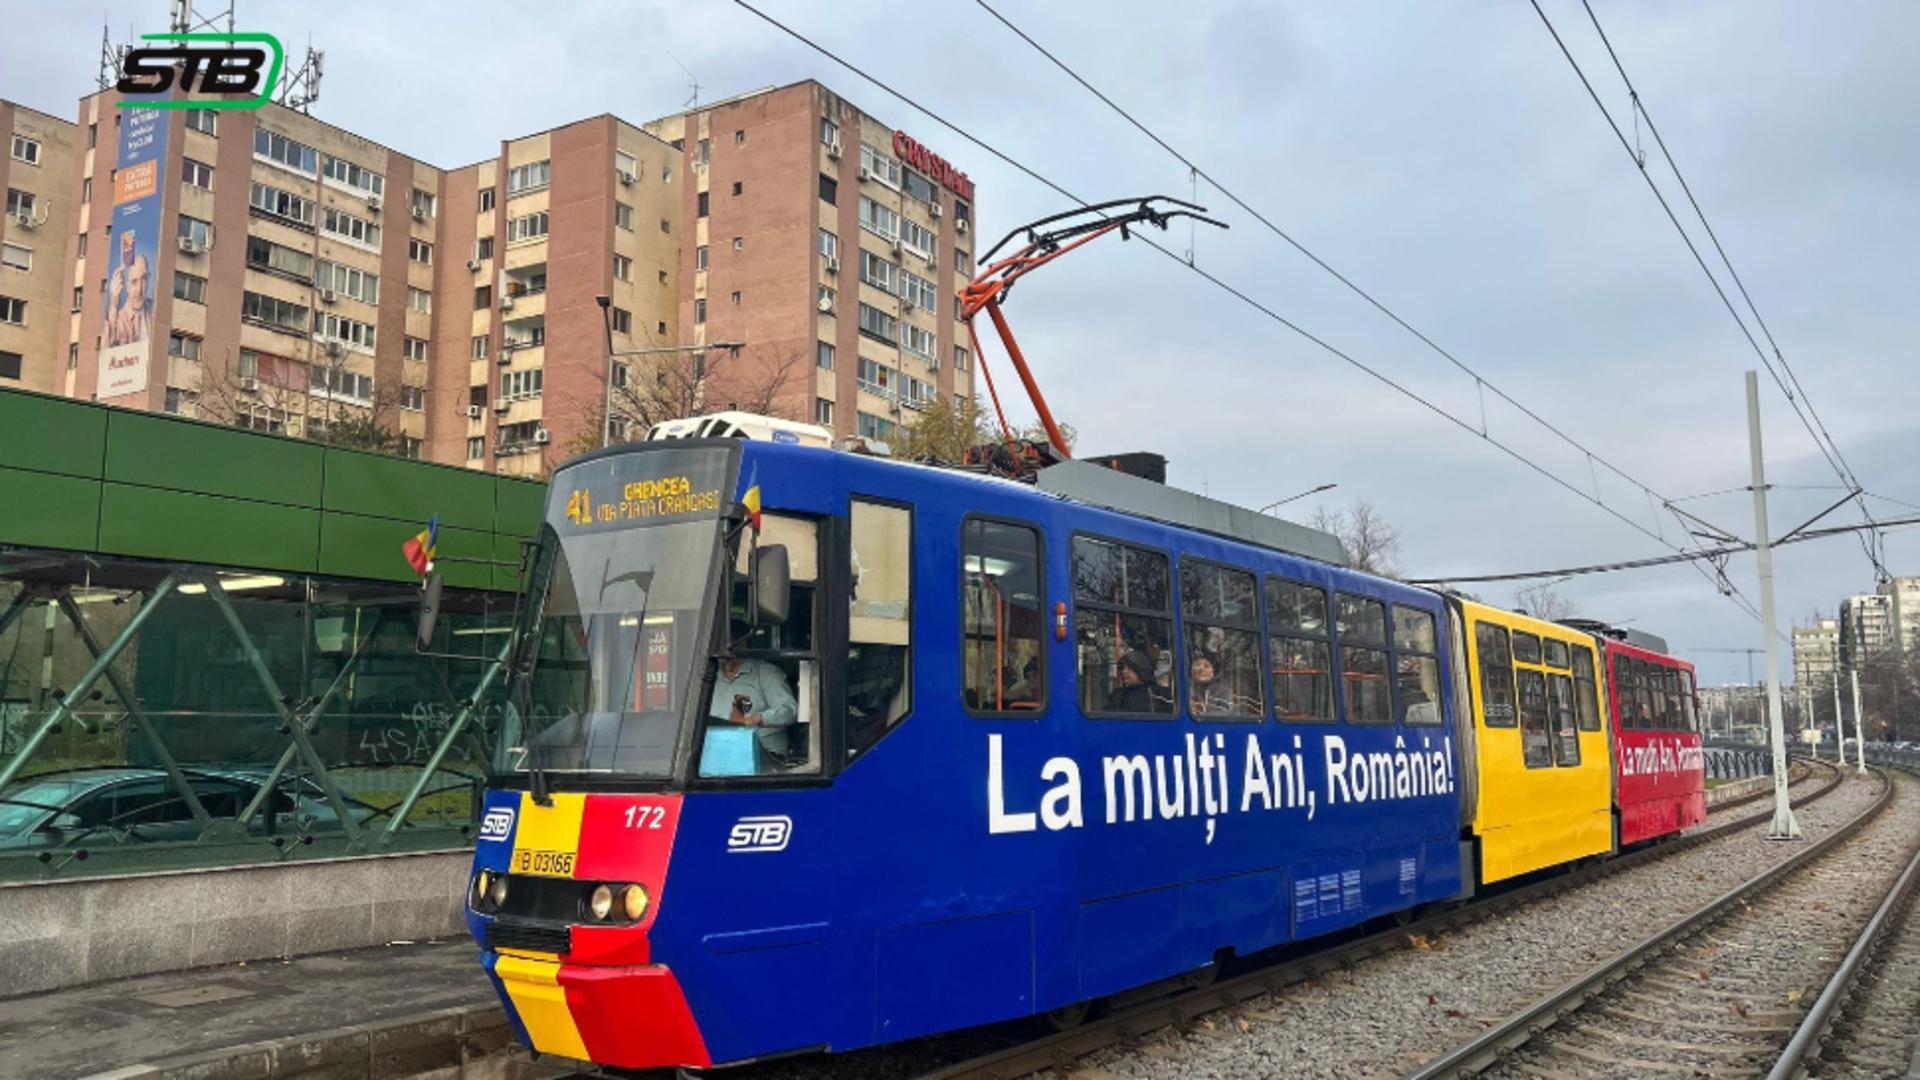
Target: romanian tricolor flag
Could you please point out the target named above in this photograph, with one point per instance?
(750, 502)
(422, 548)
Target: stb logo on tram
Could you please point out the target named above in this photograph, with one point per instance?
(766, 833)
(497, 825)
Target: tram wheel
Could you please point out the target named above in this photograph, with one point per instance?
(1201, 978)
(1068, 1017)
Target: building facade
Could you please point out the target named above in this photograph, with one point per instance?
(834, 248)
(1903, 612)
(35, 234)
(1866, 628)
(1816, 652)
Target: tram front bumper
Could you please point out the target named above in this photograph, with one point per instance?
(630, 1017)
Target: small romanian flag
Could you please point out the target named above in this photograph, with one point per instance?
(750, 502)
(421, 550)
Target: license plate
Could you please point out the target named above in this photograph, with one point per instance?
(543, 863)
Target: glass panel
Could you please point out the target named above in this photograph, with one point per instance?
(1124, 663)
(1496, 675)
(1293, 608)
(1535, 742)
(1302, 679)
(1418, 689)
(1120, 576)
(1217, 594)
(1003, 618)
(1586, 707)
(1223, 672)
(1557, 654)
(1526, 647)
(879, 627)
(1413, 630)
(1643, 697)
(1369, 695)
(762, 716)
(1566, 734)
(1362, 621)
(1687, 700)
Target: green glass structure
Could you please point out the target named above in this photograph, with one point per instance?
(207, 644)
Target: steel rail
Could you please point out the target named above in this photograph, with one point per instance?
(1500, 1041)
(1059, 1051)
(1810, 1038)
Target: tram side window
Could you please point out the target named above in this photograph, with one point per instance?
(1298, 651)
(1496, 674)
(879, 622)
(1416, 688)
(1003, 663)
(761, 718)
(1686, 700)
(1645, 699)
(1676, 716)
(1362, 626)
(1526, 647)
(1566, 734)
(1222, 619)
(1536, 742)
(1557, 654)
(1123, 630)
(1623, 701)
(1586, 704)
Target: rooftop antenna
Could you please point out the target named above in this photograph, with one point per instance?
(112, 58)
(300, 85)
(183, 19)
(692, 81)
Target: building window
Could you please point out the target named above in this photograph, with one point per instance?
(823, 356)
(663, 277)
(262, 418)
(411, 447)
(829, 190)
(284, 204)
(918, 341)
(736, 297)
(414, 348)
(483, 249)
(86, 190)
(869, 426)
(703, 151)
(274, 313)
(879, 273)
(420, 251)
(184, 346)
(196, 174)
(621, 375)
(623, 216)
(527, 178)
(19, 202)
(10, 365)
(424, 204)
(700, 257)
(16, 257)
(960, 262)
(916, 239)
(530, 227)
(702, 204)
(879, 165)
(346, 280)
(739, 187)
(879, 220)
(486, 200)
(879, 325)
(662, 328)
(521, 385)
(623, 268)
(79, 294)
(739, 243)
(93, 135)
(80, 245)
(829, 244)
(202, 120)
(476, 448)
(196, 230)
(482, 297)
(480, 346)
(877, 378)
(348, 331)
(357, 177)
(420, 300)
(179, 402)
(342, 224)
(185, 287)
(829, 131)
(740, 137)
(699, 311)
(13, 310)
(625, 165)
(823, 412)
(73, 356)
(960, 358)
(284, 151)
(666, 226)
(622, 321)
(919, 292)
(334, 382)
(25, 149)
(413, 398)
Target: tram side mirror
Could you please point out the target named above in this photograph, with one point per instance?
(429, 611)
(768, 585)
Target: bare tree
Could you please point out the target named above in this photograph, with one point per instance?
(1544, 601)
(278, 396)
(672, 386)
(1372, 544)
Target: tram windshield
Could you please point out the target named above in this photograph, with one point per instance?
(621, 591)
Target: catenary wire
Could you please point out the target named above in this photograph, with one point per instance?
(1794, 400)
(1721, 583)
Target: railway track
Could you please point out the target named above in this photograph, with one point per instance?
(1730, 990)
(1059, 1051)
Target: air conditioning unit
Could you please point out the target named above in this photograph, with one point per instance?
(501, 404)
(833, 149)
(906, 306)
(506, 303)
(626, 178)
(419, 213)
(328, 296)
(896, 247)
(506, 357)
(833, 264)
(866, 174)
(933, 209)
(24, 220)
(333, 348)
(473, 264)
(826, 307)
(475, 412)
(542, 435)
(249, 384)
(373, 202)
(189, 246)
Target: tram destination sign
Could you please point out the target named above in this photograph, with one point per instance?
(653, 488)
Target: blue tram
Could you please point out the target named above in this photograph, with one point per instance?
(809, 750)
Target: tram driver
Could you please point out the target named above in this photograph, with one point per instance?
(754, 693)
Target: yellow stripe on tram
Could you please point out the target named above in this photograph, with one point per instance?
(534, 986)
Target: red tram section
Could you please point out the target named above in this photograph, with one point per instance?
(1659, 765)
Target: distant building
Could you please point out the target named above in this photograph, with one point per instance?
(1903, 593)
(1866, 628)
(37, 173)
(1816, 652)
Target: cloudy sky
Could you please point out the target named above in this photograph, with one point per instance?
(1444, 156)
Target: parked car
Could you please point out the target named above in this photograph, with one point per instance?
(134, 804)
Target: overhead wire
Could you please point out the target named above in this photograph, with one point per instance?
(1722, 584)
(1828, 449)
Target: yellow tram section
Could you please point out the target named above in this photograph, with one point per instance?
(1540, 802)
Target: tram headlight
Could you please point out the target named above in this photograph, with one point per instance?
(497, 890)
(481, 882)
(633, 902)
(601, 902)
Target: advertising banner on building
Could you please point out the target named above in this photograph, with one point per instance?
(126, 335)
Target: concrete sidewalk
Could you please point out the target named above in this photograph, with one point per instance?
(399, 1011)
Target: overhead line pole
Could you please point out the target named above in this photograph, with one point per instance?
(1784, 825)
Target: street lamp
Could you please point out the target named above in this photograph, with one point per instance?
(1302, 495)
(733, 347)
(606, 416)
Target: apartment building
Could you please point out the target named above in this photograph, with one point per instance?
(533, 238)
(834, 247)
(264, 269)
(1866, 628)
(1816, 652)
(1903, 597)
(34, 235)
